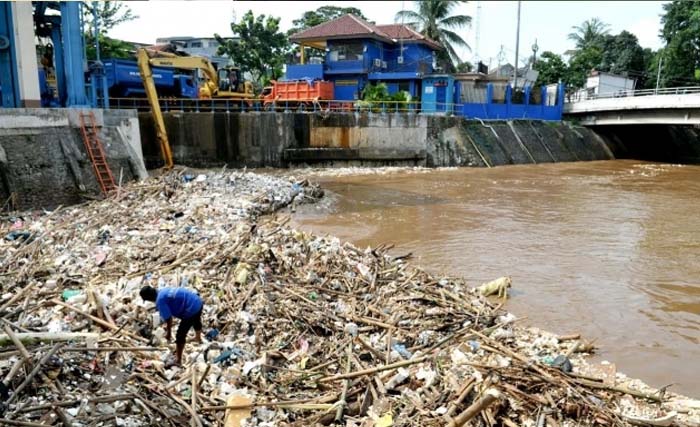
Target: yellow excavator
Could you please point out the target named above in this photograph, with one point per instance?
(225, 83)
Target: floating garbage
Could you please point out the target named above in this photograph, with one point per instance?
(302, 330)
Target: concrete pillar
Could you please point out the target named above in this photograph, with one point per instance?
(25, 55)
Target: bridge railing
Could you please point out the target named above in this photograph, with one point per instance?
(582, 96)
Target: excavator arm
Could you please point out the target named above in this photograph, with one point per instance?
(161, 133)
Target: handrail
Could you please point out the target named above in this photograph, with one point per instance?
(181, 104)
(683, 90)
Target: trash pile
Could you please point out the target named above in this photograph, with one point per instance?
(300, 330)
(361, 170)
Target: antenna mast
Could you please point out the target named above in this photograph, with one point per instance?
(477, 33)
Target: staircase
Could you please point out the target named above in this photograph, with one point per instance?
(96, 153)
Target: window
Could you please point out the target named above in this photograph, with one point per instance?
(196, 44)
(404, 86)
(347, 52)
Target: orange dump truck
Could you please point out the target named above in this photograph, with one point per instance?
(293, 93)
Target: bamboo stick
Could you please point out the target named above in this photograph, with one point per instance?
(489, 397)
(375, 370)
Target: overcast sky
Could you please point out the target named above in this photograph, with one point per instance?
(547, 21)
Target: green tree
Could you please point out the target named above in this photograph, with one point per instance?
(622, 54)
(589, 34)
(464, 67)
(259, 48)
(647, 76)
(434, 19)
(109, 15)
(323, 14)
(681, 32)
(109, 48)
(551, 68)
(581, 64)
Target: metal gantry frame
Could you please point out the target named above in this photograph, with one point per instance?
(9, 79)
(65, 32)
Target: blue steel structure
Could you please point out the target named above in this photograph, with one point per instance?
(9, 80)
(491, 110)
(65, 31)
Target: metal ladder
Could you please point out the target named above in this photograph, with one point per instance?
(96, 153)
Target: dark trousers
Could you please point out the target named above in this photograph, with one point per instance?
(186, 324)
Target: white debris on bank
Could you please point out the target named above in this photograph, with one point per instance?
(356, 171)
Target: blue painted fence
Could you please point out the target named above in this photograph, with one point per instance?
(508, 110)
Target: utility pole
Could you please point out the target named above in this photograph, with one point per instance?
(477, 35)
(658, 73)
(517, 47)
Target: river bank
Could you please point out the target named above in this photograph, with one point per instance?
(304, 329)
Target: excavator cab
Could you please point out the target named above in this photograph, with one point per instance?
(230, 79)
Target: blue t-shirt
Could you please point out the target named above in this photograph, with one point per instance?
(177, 302)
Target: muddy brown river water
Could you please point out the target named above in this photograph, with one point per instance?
(608, 249)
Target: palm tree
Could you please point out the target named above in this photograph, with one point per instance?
(434, 20)
(590, 33)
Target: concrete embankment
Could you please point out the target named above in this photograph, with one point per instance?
(44, 162)
(282, 139)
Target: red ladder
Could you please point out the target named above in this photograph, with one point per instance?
(96, 153)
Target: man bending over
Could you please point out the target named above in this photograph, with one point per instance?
(182, 303)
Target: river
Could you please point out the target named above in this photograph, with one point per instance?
(608, 249)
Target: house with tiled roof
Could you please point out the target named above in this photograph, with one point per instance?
(358, 52)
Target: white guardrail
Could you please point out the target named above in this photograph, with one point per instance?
(687, 90)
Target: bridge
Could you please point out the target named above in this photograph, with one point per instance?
(668, 106)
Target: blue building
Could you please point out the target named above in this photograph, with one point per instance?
(439, 93)
(357, 53)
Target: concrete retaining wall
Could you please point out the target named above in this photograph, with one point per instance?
(217, 139)
(43, 160)
(278, 139)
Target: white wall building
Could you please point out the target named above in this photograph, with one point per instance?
(604, 84)
(600, 83)
(197, 46)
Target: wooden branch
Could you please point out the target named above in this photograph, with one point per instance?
(490, 396)
(87, 349)
(5, 421)
(96, 319)
(569, 337)
(100, 399)
(33, 373)
(666, 420)
(375, 370)
(343, 395)
(253, 405)
(30, 338)
(468, 386)
(619, 389)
